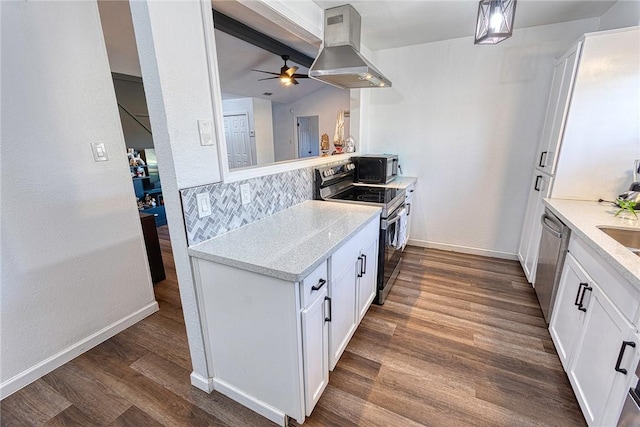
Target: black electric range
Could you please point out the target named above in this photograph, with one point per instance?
(335, 184)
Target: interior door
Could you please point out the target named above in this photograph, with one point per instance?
(308, 137)
(236, 133)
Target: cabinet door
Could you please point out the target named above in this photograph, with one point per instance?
(567, 318)
(343, 310)
(552, 105)
(540, 188)
(557, 107)
(594, 372)
(315, 349)
(408, 202)
(367, 281)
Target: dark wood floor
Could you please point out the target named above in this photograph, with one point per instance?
(460, 341)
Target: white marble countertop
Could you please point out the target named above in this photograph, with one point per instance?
(401, 182)
(291, 243)
(583, 217)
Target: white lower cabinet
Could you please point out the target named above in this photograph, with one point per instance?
(594, 337)
(354, 272)
(367, 277)
(343, 311)
(596, 374)
(315, 350)
(268, 340)
(408, 204)
(567, 318)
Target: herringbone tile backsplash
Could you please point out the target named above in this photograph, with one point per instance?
(269, 194)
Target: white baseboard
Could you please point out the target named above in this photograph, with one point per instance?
(28, 376)
(463, 249)
(251, 402)
(204, 384)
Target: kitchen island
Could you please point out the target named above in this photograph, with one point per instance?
(289, 244)
(279, 300)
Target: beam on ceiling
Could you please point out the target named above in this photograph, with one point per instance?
(243, 32)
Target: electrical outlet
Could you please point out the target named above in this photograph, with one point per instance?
(204, 205)
(245, 194)
(205, 128)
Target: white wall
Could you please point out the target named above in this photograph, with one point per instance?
(466, 120)
(323, 103)
(74, 270)
(624, 13)
(174, 50)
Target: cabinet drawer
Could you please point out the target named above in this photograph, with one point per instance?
(614, 286)
(317, 279)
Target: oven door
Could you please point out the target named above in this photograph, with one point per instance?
(389, 235)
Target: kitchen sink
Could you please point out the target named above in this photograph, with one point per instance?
(629, 237)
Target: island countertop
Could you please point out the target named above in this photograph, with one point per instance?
(584, 217)
(290, 244)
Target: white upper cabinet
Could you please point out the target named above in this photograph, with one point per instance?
(563, 77)
(590, 133)
(600, 137)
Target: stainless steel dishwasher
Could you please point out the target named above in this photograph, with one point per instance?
(553, 250)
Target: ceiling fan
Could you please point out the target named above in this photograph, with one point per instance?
(287, 75)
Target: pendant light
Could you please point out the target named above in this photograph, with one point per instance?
(495, 21)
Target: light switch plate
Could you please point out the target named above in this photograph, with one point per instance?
(205, 128)
(99, 152)
(245, 194)
(204, 205)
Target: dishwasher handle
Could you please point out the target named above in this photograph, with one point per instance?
(545, 219)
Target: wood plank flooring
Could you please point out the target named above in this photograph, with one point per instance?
(459, 342)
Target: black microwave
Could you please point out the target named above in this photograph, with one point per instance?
(375, 168)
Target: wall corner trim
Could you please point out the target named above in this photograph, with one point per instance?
(204, 384)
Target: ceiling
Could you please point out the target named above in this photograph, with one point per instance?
(237, 59)
(389, 24)
(385, 24)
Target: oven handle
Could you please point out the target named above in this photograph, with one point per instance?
(385, 223)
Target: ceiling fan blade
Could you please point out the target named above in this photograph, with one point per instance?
(300, 76)
(267, 72)
(294, 81)
(268, 78)
(291, 71)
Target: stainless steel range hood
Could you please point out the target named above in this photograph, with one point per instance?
(340, 62)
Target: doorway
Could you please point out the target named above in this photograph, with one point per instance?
(308, 138)
(236, 133)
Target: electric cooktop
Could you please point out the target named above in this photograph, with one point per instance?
(368, 194)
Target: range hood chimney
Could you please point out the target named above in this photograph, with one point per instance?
(340, 62)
